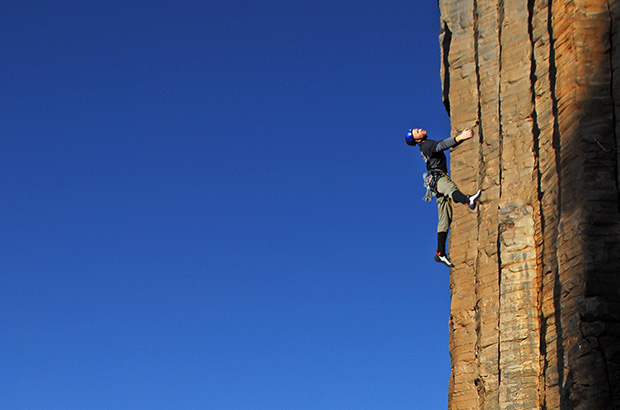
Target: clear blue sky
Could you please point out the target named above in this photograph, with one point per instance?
(210, 205)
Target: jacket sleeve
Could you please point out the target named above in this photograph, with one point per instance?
(445, 144)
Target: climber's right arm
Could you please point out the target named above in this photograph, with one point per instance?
(453, 141)
(445, 144)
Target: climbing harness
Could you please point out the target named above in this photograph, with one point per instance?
(430, 183)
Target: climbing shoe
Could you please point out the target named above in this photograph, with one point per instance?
(473, 199)
(443, 258)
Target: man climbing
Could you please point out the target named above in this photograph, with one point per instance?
(439, 184)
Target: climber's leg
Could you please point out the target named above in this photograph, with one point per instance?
(459, 197)
(441, 242)
(444, 212)
(446, 186)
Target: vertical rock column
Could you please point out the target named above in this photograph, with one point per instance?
(458, 48)
(487, 54)
(519, 349)
(547, 147)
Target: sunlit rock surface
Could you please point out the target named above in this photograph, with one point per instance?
(535, 314)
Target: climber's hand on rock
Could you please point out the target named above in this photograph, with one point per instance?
(465, 135)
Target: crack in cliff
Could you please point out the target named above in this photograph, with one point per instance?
(478, 381)
(500, 11)
(445, 47)
(483, 167)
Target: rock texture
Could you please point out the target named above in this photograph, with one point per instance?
(535, 314)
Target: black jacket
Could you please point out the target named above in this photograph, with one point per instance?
(432, 151)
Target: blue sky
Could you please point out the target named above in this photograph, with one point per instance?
(210, 205)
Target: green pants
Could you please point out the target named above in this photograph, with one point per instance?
(445, 189)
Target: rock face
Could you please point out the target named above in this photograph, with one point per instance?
(535, 314)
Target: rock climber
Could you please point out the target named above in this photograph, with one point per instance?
(438, 183)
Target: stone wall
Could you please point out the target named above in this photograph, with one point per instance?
(535, 314)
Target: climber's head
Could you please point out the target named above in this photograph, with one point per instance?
(415, 136)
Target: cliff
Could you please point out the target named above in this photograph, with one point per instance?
(535, 311)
